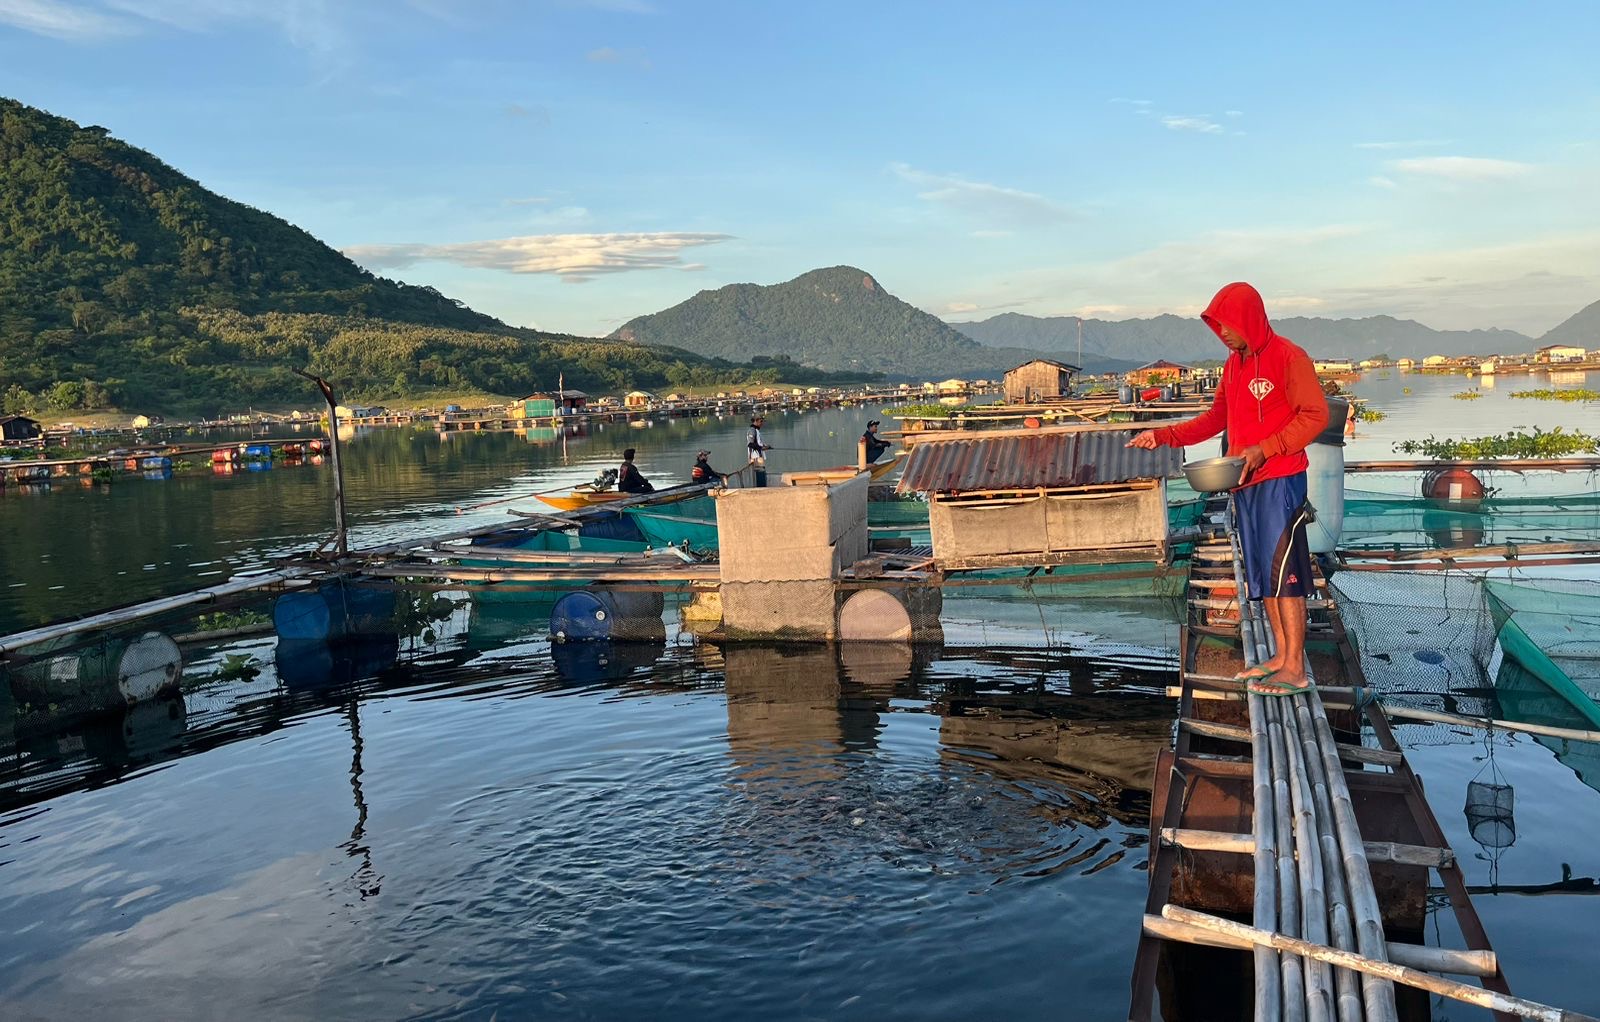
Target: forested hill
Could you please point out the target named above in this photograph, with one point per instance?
(124, 282)
(838, 318)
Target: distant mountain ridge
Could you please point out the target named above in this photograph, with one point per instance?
(1188, 339)
(838, 318)
(1582, 328)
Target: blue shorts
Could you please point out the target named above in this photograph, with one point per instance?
(1272, 532)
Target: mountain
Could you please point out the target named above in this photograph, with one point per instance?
(1582, 328)
(1187, 339)
(839, 318)
(124, 282)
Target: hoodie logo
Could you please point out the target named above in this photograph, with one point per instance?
(1260, 387)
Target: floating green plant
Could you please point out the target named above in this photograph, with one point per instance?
(919, 412)
(1555, 443)
(1568, 394)
(1467, 395)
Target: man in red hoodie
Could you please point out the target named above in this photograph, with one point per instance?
(1272, 407)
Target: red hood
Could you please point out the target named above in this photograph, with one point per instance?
(1238, 305)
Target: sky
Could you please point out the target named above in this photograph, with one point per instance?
(572, 164)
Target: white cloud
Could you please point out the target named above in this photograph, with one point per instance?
(61, 20)
(1234, 113)
(989, 235)
(1379, 181)
(1192, 122)
(957, 308)
(1464, 168)
(532, 200)
(1417, 143)
(988, 202)
(573, 257)
(1131, 102)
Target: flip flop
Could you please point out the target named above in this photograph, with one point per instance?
(1250, 674)
(1272, 687)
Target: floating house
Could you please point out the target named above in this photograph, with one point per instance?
(1159, 372)
(1435, 361)
(146, 421)
(1039, 380)
(1560, 353)
(953, 388)
(1026, 497)
(637, 399)
(18, 427)
(1333, 365)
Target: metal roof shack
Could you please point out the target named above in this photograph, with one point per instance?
(1033, 460)
(1043, 498)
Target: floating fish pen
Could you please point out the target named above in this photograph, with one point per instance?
(1009, 498)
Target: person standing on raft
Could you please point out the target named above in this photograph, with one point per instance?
(1272, 407)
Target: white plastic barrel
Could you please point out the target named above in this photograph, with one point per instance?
(1325, 480)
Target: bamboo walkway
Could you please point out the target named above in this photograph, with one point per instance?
(1341, 838)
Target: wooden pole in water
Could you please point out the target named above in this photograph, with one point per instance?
(1389, 972)
(341, 539)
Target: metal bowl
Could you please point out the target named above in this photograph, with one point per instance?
(1214, 474)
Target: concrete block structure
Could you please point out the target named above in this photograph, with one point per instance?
(782, 550)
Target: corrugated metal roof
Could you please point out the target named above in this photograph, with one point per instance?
(1027, 461)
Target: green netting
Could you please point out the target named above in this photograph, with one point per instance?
(1525, 650)
(1396, 521)
(1425, 639)
(1553, 629)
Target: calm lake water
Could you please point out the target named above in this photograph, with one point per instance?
(469, 823)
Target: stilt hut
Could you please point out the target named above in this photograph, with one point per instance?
(1040, 380)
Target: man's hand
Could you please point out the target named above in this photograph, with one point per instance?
(1254, 457)
(1146, 440)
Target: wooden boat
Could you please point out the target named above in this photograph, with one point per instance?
(580, 498)
(585, 497)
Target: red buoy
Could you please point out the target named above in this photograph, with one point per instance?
(1453, 487)
(1031, 422)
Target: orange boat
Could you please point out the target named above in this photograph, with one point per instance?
(577, 500)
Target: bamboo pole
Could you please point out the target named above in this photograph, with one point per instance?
(126, 615)
(1341, 923)
(1389, 972)
(1343, 697)
(1455, 961)
(1244, 844)
(1377, 994)
(1320, 986)
(1268, 982)
(1513, 464)
(1269, 994)
(1297, 984)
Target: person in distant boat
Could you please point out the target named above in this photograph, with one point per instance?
(628, 478)
(875, 446)
(758, 448)
(1272, 407)
(703, 472)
